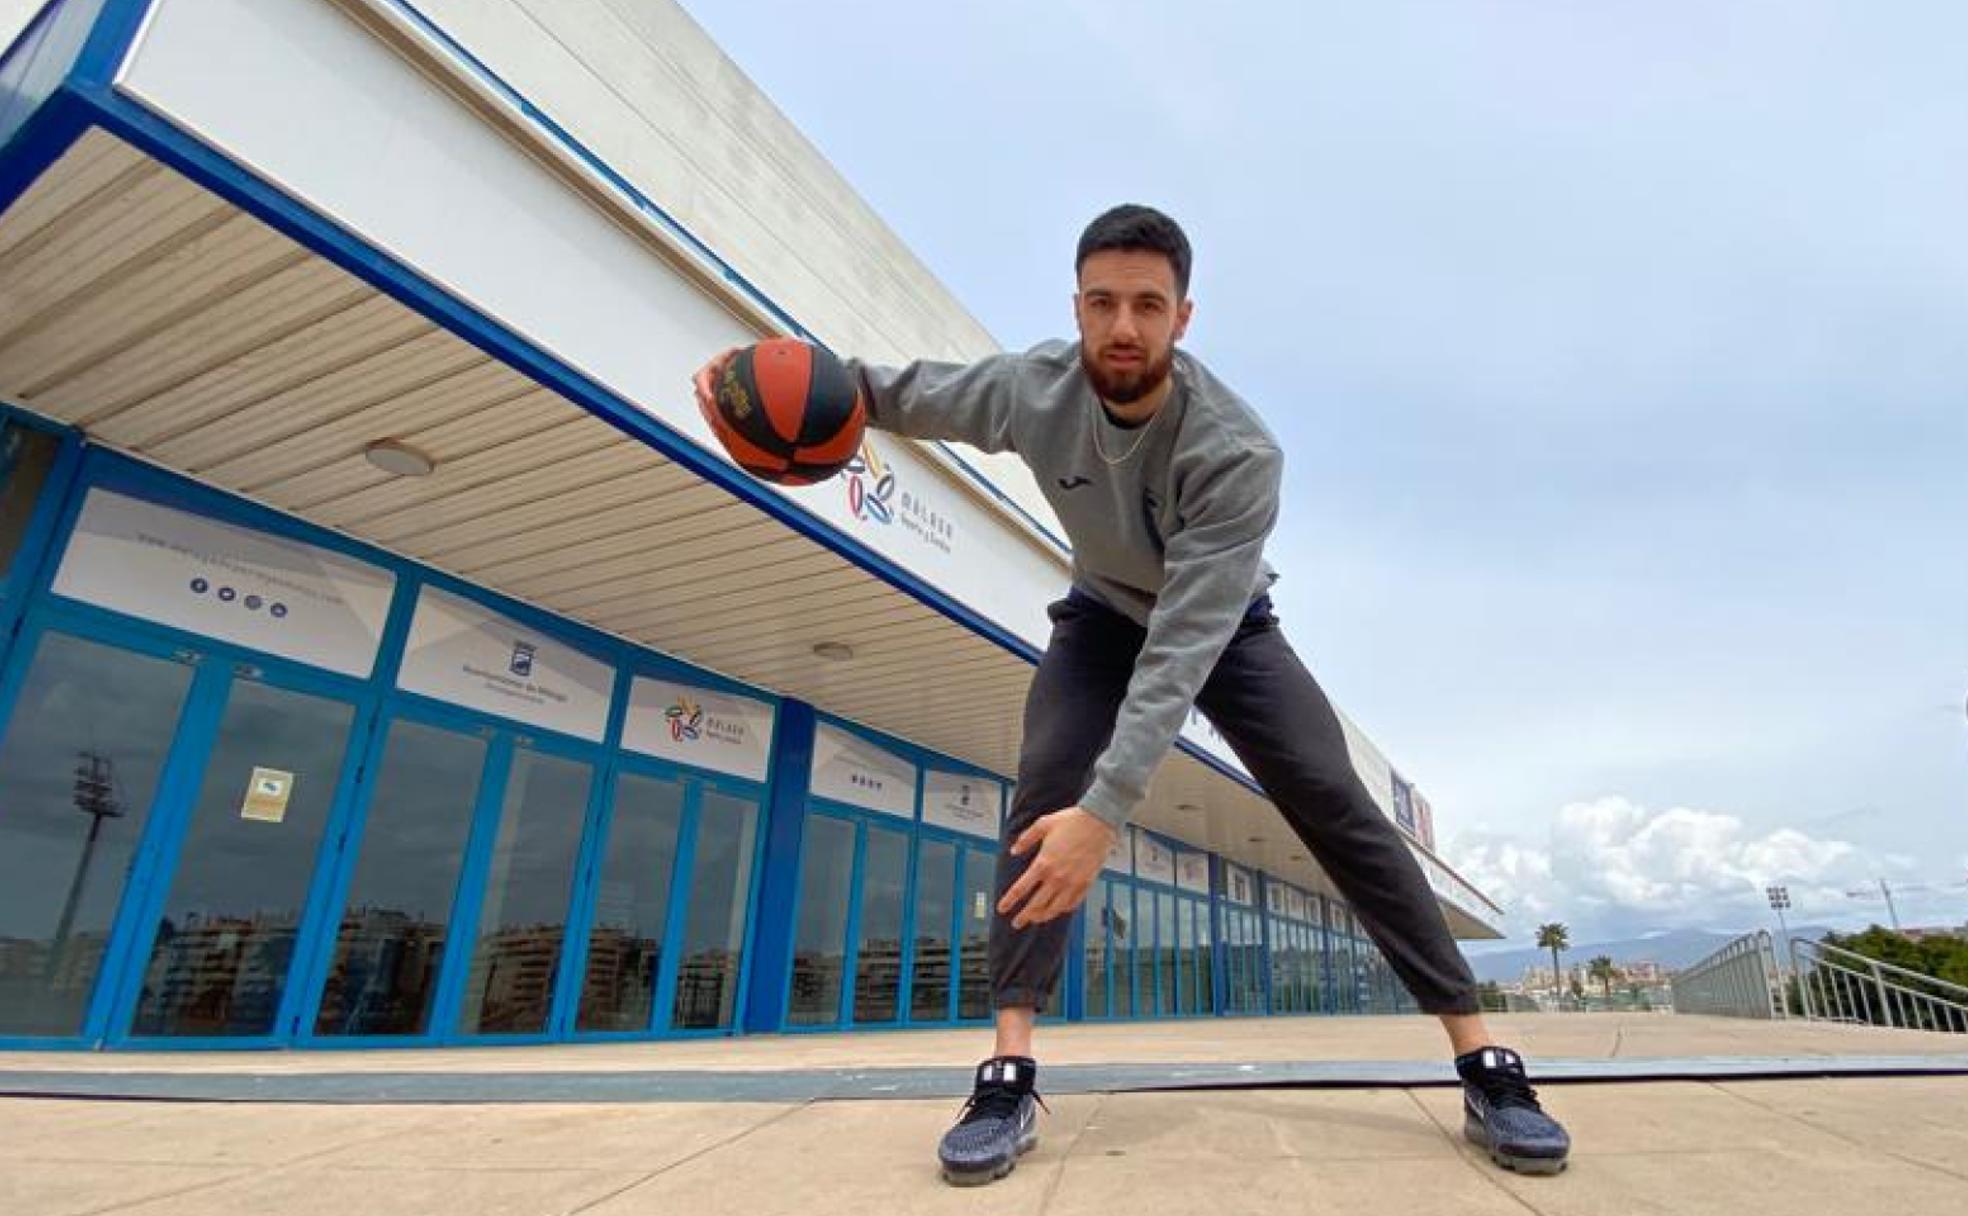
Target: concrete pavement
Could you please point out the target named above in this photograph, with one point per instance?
(1740, 1147)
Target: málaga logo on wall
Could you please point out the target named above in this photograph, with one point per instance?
(521, 663)
(870, 487)
(686, 720)
(874, 496)
(688, 723)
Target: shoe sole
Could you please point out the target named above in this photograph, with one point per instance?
(986, 1177)
(1473, 1132)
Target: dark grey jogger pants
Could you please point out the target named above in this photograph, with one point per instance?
(1281, 726)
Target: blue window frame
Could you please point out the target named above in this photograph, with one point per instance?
(890, 914)
(700, 969)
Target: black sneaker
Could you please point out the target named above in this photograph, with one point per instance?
(999, 1124)
(1501, 1114)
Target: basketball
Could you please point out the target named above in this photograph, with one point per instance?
(788, 412)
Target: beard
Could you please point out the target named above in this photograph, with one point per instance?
(1128, 386)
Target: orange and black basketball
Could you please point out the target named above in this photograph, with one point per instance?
(788, 412)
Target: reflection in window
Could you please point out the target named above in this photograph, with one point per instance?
(714, 927)
(1205, 978)
(78, 769)
(26, 456)
(820, 938)
(936, 904)
(383, 979)
(878, 958)
(225, 943)
(974, 982)
(632, 904)
(1144, 953)
(522, 922)
(1095, 968)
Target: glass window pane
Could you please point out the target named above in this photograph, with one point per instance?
(820, 935)
(632, 905)
(974, 983)
(395, 922)
(78, 770)
(218, 965)
(1094, 960)
(936, 903)
(1205, 982)
(1301, 971)
(1120, 915)
(1144, 953)
(26, 456)
(1166, 955)
(1185, 955)
(522, 922)
(1233, 960)
(878, 961)
(714, 928)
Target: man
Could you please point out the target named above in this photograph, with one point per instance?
(1167, 485)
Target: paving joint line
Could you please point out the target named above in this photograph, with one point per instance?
(1058, 1178)
(654, 1174)
(1835, 1134)
(1466, 1154)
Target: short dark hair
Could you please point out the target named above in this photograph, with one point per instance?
(1131, 228)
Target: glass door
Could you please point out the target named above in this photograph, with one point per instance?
(81, 763)
(878, 926)
(217, 948)
(723, 852)
(409, 842)
(820, 931)
(935, 912)
(632, 902)
(520, 936)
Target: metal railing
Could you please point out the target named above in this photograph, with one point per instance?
(1833, 984)
(1738, 981)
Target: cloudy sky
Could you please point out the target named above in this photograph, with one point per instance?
(1620, 354)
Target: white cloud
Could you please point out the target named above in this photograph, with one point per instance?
(1611, 868)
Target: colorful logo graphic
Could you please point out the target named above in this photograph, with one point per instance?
(870, 487)
(686, 719)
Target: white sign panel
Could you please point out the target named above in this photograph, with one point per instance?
(472, 656)
(1237, 885)
(1153, 860)
(847, 768)
(1192, 872)
(972, 805)
(280, 596)
(720, 731)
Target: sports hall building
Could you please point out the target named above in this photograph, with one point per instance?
(390, 657)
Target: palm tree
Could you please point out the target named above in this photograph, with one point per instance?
(1555, 937)
(1602, 971)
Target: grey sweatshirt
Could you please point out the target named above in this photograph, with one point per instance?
(1167, 520)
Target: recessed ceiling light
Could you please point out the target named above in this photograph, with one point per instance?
(399, 459)
(833, 652)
